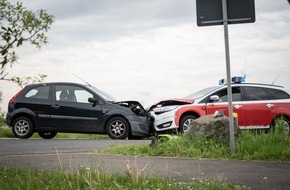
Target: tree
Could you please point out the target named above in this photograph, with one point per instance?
(19, 26)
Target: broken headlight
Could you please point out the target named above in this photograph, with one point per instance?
(160, 110)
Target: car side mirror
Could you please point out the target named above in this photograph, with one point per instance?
(93, 100)
(214, 98)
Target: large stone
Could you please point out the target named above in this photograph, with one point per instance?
(215, 126)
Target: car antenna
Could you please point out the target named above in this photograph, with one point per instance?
(82, 79)
(275, 79)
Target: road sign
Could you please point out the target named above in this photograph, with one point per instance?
(224, 12)
(210, 12)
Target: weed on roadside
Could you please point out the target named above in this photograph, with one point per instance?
(86, 178)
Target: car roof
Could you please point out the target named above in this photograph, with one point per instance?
(277, 87)
(56, 83)
(258, 85)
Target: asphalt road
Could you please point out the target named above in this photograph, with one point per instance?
(69, 155)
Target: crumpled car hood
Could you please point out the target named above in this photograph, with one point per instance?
(135, 107)
(171, 102)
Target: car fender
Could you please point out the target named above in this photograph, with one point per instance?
(115, 113)
(23, 112)
(280, 111)
(199, 110)
(136, 125)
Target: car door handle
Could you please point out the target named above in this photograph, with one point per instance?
(270, 105)
(56, 106)
(238, 106)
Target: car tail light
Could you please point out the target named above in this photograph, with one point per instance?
(15, 96)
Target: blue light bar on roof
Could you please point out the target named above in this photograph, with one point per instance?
(222, 81)
(238, 79)
(234, 80)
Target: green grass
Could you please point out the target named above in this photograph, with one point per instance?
(180, 147)
(5, 131)
(250, 146)
(86, 178)
(263, 146)
(77, 136)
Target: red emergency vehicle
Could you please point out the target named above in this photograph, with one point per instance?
(258, 106)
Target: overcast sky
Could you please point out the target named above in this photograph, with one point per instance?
(148, 50)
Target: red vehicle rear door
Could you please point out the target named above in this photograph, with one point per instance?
(259, 109)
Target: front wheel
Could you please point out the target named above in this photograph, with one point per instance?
(185, 123)
(47, 135)
(22, 128)
(118, 128)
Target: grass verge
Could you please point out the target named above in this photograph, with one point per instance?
(250, 146)
(86, 178)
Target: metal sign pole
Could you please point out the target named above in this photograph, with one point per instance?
(228, 67)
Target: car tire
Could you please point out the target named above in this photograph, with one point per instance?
(282, 121)
(47, 135)
(118, 128)
(22, 128)
(185, 123)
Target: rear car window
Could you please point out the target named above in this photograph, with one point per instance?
(41, 92)
(256, 93)
(277, 94)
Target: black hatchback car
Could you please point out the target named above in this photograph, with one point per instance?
(48, 108)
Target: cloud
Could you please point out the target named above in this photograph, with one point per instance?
(152, 49)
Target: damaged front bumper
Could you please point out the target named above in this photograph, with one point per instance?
(164, 113)
(141, 121)
(164, 121)
(159, 117)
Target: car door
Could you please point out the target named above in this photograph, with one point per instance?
(72, 112)
(221, 104)
(259, 108)
(38, 100)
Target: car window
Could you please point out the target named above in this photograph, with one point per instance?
(201, 93)
(256, 93)
(104, 95)
(82, 96)
(277, 94)
(70, 93)
(223, 94)
(41, 92)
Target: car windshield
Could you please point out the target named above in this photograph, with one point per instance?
(201, 93)
(103, 94)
